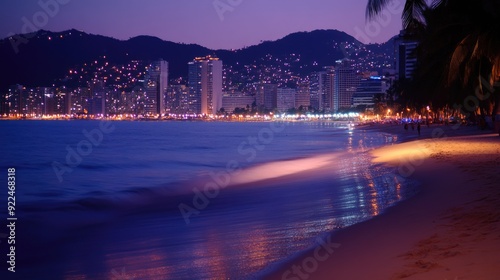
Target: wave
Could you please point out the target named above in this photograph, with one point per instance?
(167, 197)
(283, 168)
(93, 207)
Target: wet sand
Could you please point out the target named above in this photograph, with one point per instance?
(450, 230)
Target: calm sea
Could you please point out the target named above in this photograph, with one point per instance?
(184, 200)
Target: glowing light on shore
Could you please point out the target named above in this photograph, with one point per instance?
(281, 168)
(410, 152)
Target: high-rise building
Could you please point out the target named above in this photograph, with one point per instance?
(138, 100)
(63, 100)
(406, 57)
(4, 104)
(237, 100)
(303, 97)
(322, 89)
(346, 82)
(177, 99)
(267, 96)
(260, 97)
(33, 102)
(286, 99)
(156, 83)
(329, 88)
(48, 103)
(205, 85)
(97, 102)
(368, 90)
(317, 89)
(81, 98)
(16, 99)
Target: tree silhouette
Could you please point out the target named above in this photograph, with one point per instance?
(412, 12)
(459, 53)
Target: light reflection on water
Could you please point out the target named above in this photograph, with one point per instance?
(282, 208)
(255, 227)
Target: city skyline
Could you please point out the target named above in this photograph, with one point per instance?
(202, 95)
(116, 88)
(215, 24)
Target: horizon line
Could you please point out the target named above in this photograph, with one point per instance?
(184, 43)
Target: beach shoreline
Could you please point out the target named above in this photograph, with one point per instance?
(447, 231)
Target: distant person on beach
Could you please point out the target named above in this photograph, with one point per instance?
(418, 128)
(406, 126)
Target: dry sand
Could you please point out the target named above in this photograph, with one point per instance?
(450, 230)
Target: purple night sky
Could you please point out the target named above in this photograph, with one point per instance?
(238, 23)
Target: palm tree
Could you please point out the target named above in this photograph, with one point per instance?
(475, 61)
(413, 12)
(459, 52)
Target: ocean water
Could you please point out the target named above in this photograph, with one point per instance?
(184, 200)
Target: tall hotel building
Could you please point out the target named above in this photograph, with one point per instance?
(266, 96)
(329, 86)
(303, 96)
(205, 85)
(368, 90)
(406, 58)
(317, 89)
(322, 89)
(346, 83)
(286, 99)
(156, 84)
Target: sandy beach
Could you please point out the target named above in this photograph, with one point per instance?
(449, 230)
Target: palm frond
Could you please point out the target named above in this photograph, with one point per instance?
(487, 48)
(374, 7)
(461, 55)
(438, 3)
(413, 12)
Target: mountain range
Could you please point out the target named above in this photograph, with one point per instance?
(43, 58)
